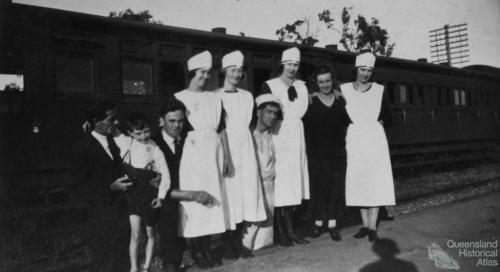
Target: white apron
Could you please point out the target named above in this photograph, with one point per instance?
(369, 180)
(292, 175)
(244, 188)
(259, 235)
(201, 165)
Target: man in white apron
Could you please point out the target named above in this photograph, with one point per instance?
(259, 235)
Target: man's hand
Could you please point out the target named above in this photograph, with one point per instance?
(120, 184)
(156, 203)
(203, 198)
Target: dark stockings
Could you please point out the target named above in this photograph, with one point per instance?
(285, 233)
(232, 244)
(202, 254)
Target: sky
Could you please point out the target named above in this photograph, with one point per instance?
(408, 22)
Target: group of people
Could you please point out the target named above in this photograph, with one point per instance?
(225, 162)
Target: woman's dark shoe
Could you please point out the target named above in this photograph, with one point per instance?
(361, 233)
(200, 260)
(296, 239)
(315, 232)
(283, 240)
(372, 235)
(335, 234)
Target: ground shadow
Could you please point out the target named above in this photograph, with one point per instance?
(387, 250)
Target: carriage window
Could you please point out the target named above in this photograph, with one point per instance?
(410, 92)
(403, 94)
(390, 91)
(456, 97)
(448, 96)
(464, 98)
(172, 77)
(438, 96)
(11, 83)
(137, 78)
(260, 75)
(262, 70)
(172, 69)
(74, 74)
(420, 95)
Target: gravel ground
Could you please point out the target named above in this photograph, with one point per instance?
(414, 194)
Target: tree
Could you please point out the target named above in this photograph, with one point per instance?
(293, 33)
(353, 36)
(361, 35)
(142, 16)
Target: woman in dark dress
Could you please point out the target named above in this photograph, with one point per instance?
(325, 128)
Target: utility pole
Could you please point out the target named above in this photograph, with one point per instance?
(449, 45)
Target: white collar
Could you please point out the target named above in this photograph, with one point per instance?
(168, 139)
(99, 136)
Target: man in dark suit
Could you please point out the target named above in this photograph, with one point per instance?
(98, 178)
(170, 140)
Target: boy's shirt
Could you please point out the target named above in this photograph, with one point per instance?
(143, 154)
(265, 154)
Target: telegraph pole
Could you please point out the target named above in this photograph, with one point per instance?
(449, 45)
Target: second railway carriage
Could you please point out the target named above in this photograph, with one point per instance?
(69, 59)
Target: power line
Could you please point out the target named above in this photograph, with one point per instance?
(448, 48)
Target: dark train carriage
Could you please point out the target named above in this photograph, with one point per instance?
(69, 59)
(434, 104)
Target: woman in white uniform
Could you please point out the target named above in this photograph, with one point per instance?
(292, 176)
(369, 180)
(244, 189)
(204, 160)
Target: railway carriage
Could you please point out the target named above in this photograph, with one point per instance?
(69, 59)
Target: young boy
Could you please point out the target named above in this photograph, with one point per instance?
(141, 154)
(259, 235)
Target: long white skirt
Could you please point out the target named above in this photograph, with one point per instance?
(200, 170)
(244, 188)
(369, 180)
(292, 175)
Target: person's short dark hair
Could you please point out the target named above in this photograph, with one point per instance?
(97, 111)
(170, 105)
(321, 69)
(138, 121)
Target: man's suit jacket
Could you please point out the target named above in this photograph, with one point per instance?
(107, 231)
(168, 224)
